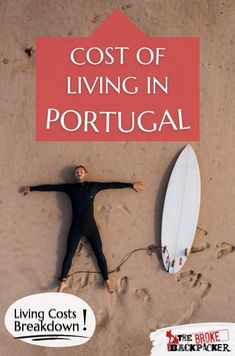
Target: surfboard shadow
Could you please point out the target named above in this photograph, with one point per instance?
(64, 205)
(159, 203)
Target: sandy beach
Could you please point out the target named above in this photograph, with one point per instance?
(34, 228)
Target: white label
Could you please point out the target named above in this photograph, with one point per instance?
(51, 319)
(195, 339)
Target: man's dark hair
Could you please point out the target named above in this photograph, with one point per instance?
(80, 166)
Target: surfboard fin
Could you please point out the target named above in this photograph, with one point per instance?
(173, 263)
(186, 252)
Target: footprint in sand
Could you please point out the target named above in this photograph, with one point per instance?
(122, 285)
(84, 280)
(224, 248)
(95, 280)
(104, 211)
(202, 231)
(202, 288)
(188, 278)
(124, 208)
(200, 244)
(200, 247)
(143, 294)
(102, 318)
(184, 319)
(191, 279)
(70, 282)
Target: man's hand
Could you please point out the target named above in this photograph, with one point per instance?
(138, 186)
(24, 190)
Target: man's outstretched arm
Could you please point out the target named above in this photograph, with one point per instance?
(44, 188)
(137, 186)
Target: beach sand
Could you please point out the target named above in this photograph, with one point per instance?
(33, 228)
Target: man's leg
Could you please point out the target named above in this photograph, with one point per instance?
(96, 244)
(72, 242)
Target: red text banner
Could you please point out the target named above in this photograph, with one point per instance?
(117, 85)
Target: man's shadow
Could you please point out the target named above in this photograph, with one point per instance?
(64, 205)
(159, 203)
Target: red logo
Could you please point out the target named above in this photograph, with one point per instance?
(172, 339)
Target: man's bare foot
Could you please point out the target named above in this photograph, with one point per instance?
(138, 186)
(62, 285)
(108, 286)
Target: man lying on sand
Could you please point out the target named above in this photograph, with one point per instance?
(82, 194)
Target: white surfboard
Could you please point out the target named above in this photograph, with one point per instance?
(181, 210)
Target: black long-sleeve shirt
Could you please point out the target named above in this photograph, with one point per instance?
(82, 197)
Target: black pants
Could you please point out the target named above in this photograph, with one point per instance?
(73, 239)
